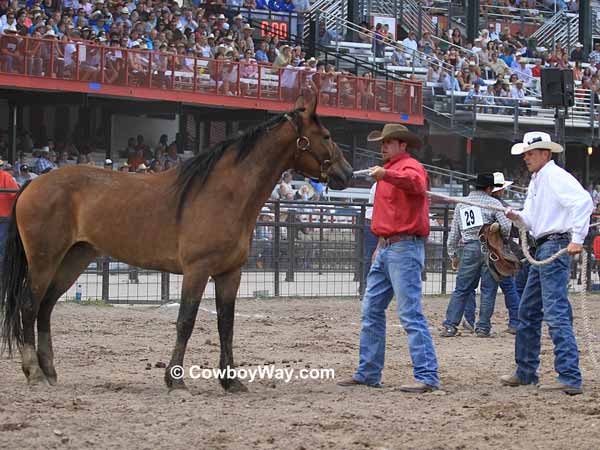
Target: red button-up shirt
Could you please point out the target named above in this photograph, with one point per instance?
(6, 199)
(401, 204)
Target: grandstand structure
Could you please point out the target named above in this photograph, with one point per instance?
(74, 81)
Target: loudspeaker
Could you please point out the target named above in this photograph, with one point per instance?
(558, 88)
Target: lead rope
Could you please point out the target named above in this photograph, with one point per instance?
(587, 329)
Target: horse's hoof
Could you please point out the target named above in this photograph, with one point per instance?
(235, 386)
(52, 380)
(37, 379)
(180, 393)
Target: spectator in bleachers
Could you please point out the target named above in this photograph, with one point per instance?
(594, 57)
(489, 101)
(474, 95)
(285, 191)
(399, 55)
(518, 92)
(524, 72)
(577, 53)
(326, 36)
(456, 38)
(43, 164)
(507, 55)
(577, 71)
(498, 65)
(24, 175)
(410, 43)
(427, 44)
(434, 73)
(451, 83)
(378, 42)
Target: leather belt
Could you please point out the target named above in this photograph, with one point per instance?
(551, 237)
(386, 241)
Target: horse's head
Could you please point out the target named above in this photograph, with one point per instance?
(316, 155)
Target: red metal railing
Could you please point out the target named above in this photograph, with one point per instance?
(116, 66)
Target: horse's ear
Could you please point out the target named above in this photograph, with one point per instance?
(311, 106)
(300, 103)
(308, 106)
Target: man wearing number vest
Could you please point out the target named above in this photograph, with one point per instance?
(466, 223)
(401, 222)
(557, 214)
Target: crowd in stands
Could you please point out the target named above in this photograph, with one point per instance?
(215, 30)
(137, 157)
(496, 70)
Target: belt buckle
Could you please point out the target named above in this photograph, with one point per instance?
(384, 242)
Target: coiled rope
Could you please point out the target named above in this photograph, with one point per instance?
(587, 329)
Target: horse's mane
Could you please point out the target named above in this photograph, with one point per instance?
(195, 171)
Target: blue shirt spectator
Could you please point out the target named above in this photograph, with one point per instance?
(42, 164)
(450, 84)
(261, 56)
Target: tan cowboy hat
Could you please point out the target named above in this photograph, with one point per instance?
(500, 183)
(536, 140)
(395, 131)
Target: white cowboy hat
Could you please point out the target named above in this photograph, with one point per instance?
(536, 140)
(108, 162)
(141, 167)
(500, 183)
(45, 149)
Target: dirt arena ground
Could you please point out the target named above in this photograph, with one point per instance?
(111, 395)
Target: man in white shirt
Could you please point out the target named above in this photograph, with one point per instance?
(557, 214)
(410, 43)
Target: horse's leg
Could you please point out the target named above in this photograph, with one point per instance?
(191, 294)
(39, 282)
(74, 262)
(226, 288)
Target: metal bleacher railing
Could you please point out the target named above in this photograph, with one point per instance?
(562, 28)
(115, 66)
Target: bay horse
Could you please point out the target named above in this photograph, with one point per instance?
(205, 211)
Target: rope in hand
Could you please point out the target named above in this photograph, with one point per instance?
(587, 329)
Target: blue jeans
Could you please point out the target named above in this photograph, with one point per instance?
(511, 301)
(472, 268)
(370, 242)
(396, 271)
(521, 279)
(545, 297)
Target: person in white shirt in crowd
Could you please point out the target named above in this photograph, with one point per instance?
(410, 43)
(494, 36)
(518, 92)
(557, 214)
(524, 72)
(434, 73)
(595, 55)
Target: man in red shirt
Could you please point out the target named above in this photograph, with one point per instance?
(401, 221)
(6, 205)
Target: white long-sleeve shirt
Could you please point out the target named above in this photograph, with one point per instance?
(557, 203)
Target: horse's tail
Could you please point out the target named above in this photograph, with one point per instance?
(14, 289)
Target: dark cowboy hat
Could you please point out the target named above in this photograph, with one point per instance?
(485, 180)
(395, 131)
